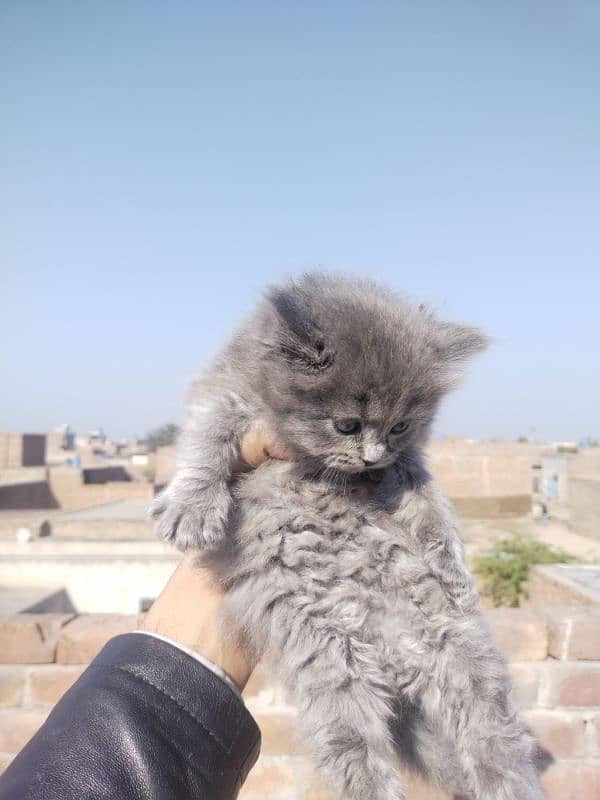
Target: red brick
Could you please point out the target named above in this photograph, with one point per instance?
(48, 684)
(594, 735)
(560, 733)
(30, 638)
(572, 684)
(520, 635)
(525, 678)
(271, 779)
(572, 780)
(17, 727)
(574, 633)
(82, 639)
(12, 680)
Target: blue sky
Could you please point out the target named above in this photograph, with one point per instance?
(162, 162)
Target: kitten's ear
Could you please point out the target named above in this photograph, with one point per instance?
(452, 346)
(299, 337)
(455, 344)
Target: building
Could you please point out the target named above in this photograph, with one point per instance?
(22, 450)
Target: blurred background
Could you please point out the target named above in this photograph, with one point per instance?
(161, 164)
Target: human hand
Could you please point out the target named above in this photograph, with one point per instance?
(187, 611)
(258, 445)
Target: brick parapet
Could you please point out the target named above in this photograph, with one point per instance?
(554, 661)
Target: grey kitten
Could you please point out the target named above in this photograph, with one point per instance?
(346, 566)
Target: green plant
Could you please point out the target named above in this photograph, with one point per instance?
(504, 570)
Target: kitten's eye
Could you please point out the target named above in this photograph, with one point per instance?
(400, 427)
(347, 426)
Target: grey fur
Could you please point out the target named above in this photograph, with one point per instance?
(352, 580)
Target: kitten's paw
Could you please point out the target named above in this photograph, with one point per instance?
(191, 522)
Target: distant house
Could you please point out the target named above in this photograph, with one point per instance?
(22, 450)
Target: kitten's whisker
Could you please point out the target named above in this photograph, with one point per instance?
(328, 477)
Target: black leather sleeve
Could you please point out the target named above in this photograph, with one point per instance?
(145, 720)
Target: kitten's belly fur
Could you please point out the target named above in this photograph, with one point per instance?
(335, 562)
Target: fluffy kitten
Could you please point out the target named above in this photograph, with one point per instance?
(346, 566)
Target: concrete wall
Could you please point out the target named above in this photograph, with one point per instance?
(584, 505)
(164, 465)
(22, 449)
(22, 474)
(586, 463)
(510, 505)
(468, 472)
(63, 487)
(33, 494)
(11, 450)
(106, 474)
(103, 583)
(67, 486)
(559, 469)
(55, 440)
(563, 585)
(482, 478)
(466, 469)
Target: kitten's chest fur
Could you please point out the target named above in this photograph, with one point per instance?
(343, 551)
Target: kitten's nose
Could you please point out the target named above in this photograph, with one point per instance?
(372, 453)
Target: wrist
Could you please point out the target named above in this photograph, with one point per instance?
(187, 612)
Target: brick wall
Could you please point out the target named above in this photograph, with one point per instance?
(164, 465)
(584, 505)
(33, 494)
(66, 484)
(22, 449)
(469, 469)
(33, 449)
(507, 505)
(586, 463)
(64, 487)
(483, 479)
(554, 661)
(22, 474)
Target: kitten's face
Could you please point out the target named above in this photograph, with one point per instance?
(352, 375)
(353, 433)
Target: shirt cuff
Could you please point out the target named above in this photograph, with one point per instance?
(220, 673)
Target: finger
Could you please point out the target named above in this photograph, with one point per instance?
(273, 450)
(253, 446)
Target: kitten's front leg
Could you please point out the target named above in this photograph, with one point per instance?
(194, 508)
(192, 512)
(437, 530)
(445, 560)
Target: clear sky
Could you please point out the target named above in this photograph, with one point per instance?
(161, 162)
